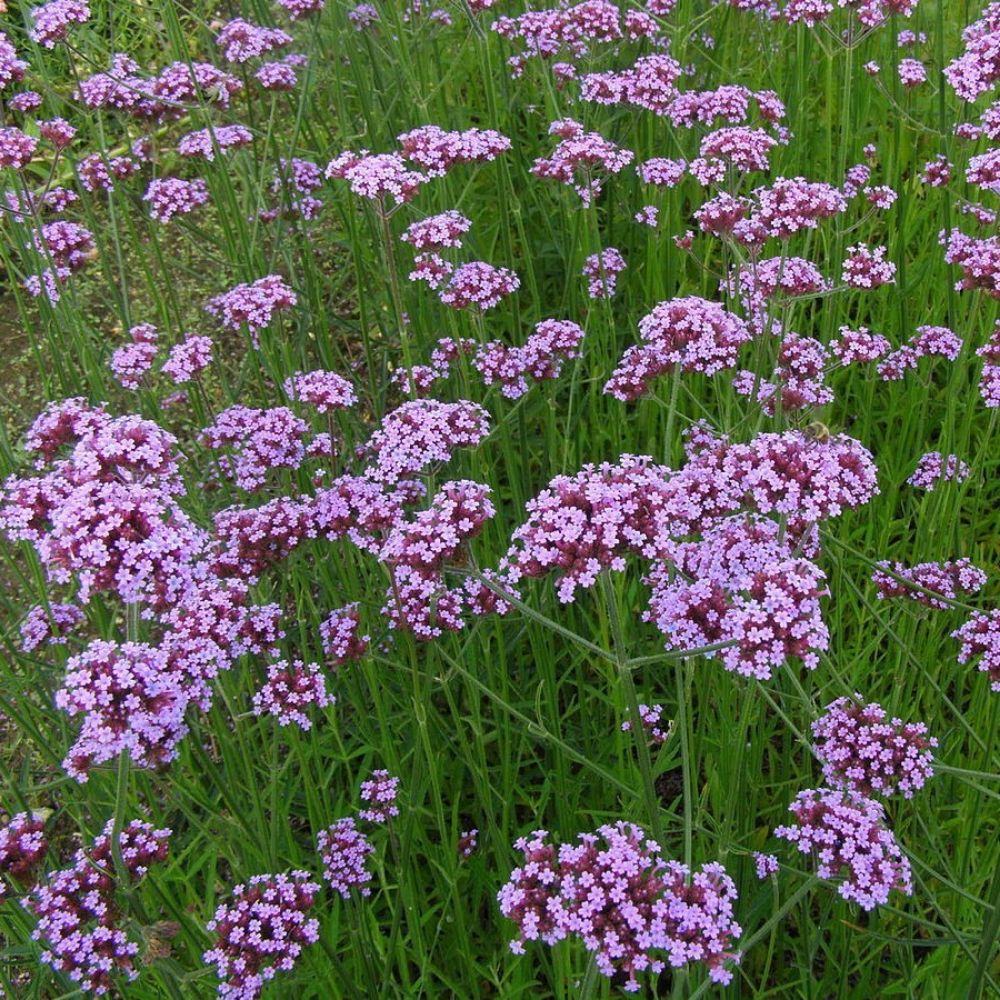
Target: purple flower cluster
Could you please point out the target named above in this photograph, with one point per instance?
(651, 717)
(131, 702)
(170, 196)
(78, 916)
(845, 832)
(867, 268)
(613, 890)
(345, 850)
(262, 932)
(980, 637)
(436, 151)
(479, 285)
(291, 687)
(989, 379)
(377, 176)
(242, 40)
(206, 141)
(541, 357)
(601, 271)
(326, 391)
(50, 22)
(437, 231)
(934, 468)
(581, 159)
(864, 751)
(188, 358)
(697, 335)
(340, 633)
(48, 625)
(263, 440)
(253, 304)
(379, 793)
(22, 848)
(951, 580)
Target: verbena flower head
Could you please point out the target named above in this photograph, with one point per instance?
(16, 148)
(980, 638)
(379, 793)
(170, 196)
(242, 40)
(601, 271)
(299, 9)
(340, 633)
(377, 176)
(437, 231)
(863, 750)
(541, 357)
(262, 440)
(765, 865)
(792, 204)
(262, 932)
(12, 70)
(188, 358)
(326, 391)
(23, 847)
(867, 268)
(48, 624)
(697, 335)
(421, 433)
(651, 717)
(582, 159)
(951, 580)
(479, 285)
(436, 151)
(253, 304)
(846, 834)
(291, 687)
(130, 363)
(345, 850)
(51, 21)
(204, 142)
(131, 702)
(633, 912)
(933, 469)
(583, 524)
(78, 915)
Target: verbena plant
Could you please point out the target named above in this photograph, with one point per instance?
(505, 499)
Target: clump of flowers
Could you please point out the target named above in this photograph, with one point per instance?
(51, 22)
(131, 702)
(697, 335)
(379, 793)
(324, 390)
(253, 304)
(934, 468)
(263, 440)
(541, 357)
(204, 142)
(601, 271)
(865, 267)
(377, 177)
(345, 850)
(950, 580)
(187, 358)
(48, 624)
(436, 150)
(581, 159)
(340, 633)
(291, 687)
(78, 918)
(989, 379)
(262, 932)
(170, 196)
(23, 847)
(846, 834)
(651, 717)
(437, 231)
(980, 637)
(613, 890)
(479, 285)
(865, 751)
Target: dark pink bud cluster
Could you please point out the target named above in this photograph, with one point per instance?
(697, 335)
(951, 580)
(78, 916)
(601, 271)
(421, 433)
(22, 847)
(847, 836)
(980, 637)
(291, 687)
(583, 524)
(340, 633)
(345, 850)
(253, 304)
(436, 151)
(581, 159)
(934, 468)
(170, 196)
(865, 751)
(262, 932)
(262, 440)
(541, 357)
(633, 912)
(324, 390)
(379, 794)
